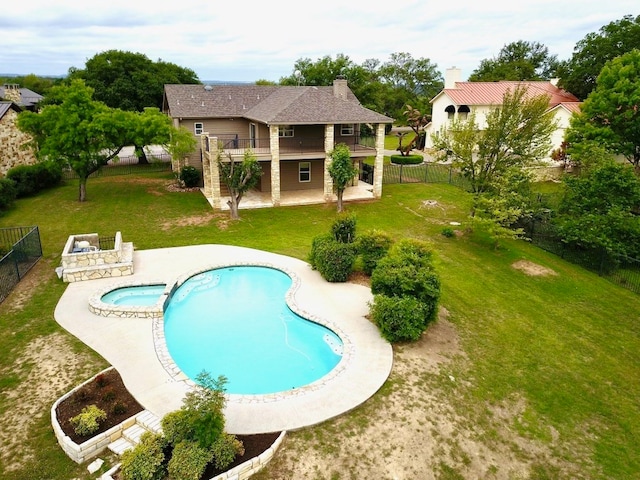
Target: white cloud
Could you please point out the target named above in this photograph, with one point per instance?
(249, 41)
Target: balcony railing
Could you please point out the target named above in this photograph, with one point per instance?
(291, 145)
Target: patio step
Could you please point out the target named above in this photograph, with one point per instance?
(120, 446)
(145, 422)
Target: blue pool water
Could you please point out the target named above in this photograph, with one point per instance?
(139, 295)
(235, 322)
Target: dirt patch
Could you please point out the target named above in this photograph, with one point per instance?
(417, 426)
(197, 221)
(24, 290)
(53, 364)
(360, 278)
(532, 269)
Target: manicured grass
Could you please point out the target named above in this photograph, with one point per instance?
(567, 345)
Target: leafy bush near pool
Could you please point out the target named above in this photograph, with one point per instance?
(190, 176)
(407, 159)
(405, 284)
(88, 420)
(188, 461)
(146, 460)
(332, 259)
(344, 229)
(399, 318)
(372, 246)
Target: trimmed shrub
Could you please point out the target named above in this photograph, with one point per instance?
(88, 420)
(399, 319)
(344, 229)
(448, 232)
(332, 259)
(8, 193)
(177, 427)
(146, 460)
(372, 246)
(190, 176)
(188, 461)
(225, 449)
(31, 179)
(407, 159)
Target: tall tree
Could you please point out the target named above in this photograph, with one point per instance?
(239, 177)
(342, 170)
(519, 60)
(130, 81)
(578, 75)
(610, 115)
(84, 134)
(517, 134)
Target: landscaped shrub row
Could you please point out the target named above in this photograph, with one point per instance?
(404, 282)
(25, 180)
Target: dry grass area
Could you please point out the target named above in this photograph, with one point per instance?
(532, 269)
(414, 428)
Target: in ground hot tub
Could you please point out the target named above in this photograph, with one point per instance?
(130, 300)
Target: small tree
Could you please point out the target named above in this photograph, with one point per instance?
(342, 170)
(239, 177)
(418, 121)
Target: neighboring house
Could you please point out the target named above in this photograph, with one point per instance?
(12, 140)
(291, 131)
(23, 97)
(459, 99)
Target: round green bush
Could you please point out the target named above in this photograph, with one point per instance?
(400, 319)
(372, 246)
(88, 420)
(332, 259)
(146, 460)
(190, 176)
(8, 193)
(344, 228)
(407, 159)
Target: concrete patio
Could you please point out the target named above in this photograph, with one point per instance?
(132, 347)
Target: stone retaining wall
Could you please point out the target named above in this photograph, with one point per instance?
(79, 453)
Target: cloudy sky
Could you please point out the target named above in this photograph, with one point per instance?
(251, 40)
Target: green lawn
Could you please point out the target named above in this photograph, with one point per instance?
(568, 345)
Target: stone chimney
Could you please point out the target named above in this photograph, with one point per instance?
(451, 76)
(12, 93)
(340, 87)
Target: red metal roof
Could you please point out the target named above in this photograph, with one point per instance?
(491, 93)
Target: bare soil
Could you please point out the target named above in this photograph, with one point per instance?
(532, 269)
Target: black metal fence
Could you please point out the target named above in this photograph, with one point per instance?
(127, 166)
(619, 269)
(20, 249)
(423, 173)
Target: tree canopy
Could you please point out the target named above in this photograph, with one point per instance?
(609, 116)
(77, 131)
(130, 81)
(342, 170)
(385, 87)
(578, 74)
(517, 134)
(519, 60)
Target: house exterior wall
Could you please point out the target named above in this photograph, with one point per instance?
(12, 141)
(563, 118)
(289, 176)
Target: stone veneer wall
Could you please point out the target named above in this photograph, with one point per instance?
(12, 140)
(96, 264)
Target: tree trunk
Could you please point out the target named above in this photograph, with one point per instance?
(141, 154)
(233, 207)
(82, 189)
(339, 194)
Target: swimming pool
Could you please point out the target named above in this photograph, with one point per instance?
(235, 322)
(136, 295)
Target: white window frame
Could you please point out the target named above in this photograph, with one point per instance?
(347, 129)
(285, 131)
(304, 171)
(198, 129)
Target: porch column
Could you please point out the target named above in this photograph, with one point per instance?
(329, 139)
(274, 146)
(210, 170)
(379, 162)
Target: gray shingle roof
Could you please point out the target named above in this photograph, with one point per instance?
(267, 104)
(28, 98)
(5, 106)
